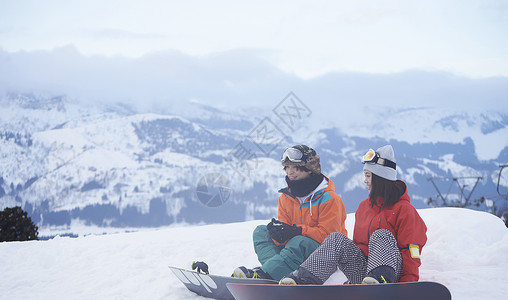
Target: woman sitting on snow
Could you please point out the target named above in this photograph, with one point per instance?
(388, 237)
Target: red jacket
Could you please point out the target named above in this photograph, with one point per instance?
(403, 221)
(320, 214)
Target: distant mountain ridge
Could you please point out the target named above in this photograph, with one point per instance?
(110, 166)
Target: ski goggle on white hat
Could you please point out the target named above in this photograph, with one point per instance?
(372, 157)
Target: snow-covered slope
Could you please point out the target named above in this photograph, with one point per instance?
(488, 130)
(64, 161)
(466, 251)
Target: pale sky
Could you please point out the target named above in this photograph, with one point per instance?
(305, 38)
(343, 59)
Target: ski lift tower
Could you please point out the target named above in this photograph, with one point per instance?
(445, 200)
(503, 167)
(503, 178)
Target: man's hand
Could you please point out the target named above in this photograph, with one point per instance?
(281, 232)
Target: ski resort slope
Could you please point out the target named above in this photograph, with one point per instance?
(466, 251)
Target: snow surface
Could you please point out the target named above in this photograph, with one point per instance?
(466, 251)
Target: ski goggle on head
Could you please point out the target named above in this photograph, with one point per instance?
(372, 157)
(293, 155)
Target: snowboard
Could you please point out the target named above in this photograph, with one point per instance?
(213, 286)
(390, 291)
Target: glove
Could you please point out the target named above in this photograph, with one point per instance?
(201, 267)
(281, 232)
(274, 229)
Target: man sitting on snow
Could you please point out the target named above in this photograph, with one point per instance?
(309, 210)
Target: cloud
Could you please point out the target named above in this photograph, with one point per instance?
(167, 77)
(463, 37)
(236, 78)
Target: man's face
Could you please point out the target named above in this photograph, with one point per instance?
(296, 174)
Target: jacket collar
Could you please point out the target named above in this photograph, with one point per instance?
(330, 187)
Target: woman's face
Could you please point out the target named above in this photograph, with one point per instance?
(368, 179)
(294, 173)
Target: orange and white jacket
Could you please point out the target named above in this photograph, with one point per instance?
(319, 215)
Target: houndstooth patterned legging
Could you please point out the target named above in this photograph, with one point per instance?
(337, 251)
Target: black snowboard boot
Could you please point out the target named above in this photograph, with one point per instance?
(300, 276)
(255, 273)
(381, 274)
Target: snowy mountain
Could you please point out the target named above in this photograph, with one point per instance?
(66, 162)
(466, 251)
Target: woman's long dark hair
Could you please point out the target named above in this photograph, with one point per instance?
(390, 191)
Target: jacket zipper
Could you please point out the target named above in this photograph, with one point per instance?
(368, 231)
(294, 198)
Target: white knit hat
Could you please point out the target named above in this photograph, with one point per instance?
(389, 173)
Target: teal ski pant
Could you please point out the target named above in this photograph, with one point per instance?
(279, 261)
